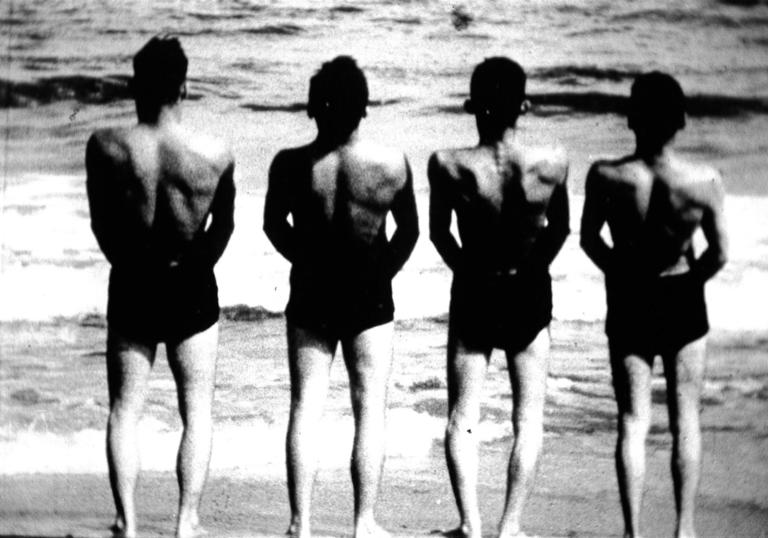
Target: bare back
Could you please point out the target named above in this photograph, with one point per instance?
(338, 200)
(155, 188)
(503, 196)
(653, 210)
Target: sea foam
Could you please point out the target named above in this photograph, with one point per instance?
(52, 267)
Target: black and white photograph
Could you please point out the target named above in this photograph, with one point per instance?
(384, 268)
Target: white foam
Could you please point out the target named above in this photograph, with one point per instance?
(255, 448)
(51, 265)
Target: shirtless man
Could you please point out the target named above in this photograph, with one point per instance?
(161, 201)
(338, 191)
(653, 201)
(511, 204)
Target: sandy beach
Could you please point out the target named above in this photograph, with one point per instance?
(250, 61)
(575, 493)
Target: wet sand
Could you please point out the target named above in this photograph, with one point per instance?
(576, 490)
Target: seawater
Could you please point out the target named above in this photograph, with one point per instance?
(66, 65)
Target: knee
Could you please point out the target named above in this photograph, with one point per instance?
(529, 429)
(634, 423)
(122, 416)
(461, 423)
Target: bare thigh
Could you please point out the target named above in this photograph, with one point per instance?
(631, 375)
(466, 371)
(368, 357)
(684, 371)
(129, 364)
(310, 356)
(528, 376)
(193, 363)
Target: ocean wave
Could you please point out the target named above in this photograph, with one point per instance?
(290, 107)
(571, 103)
(300, 107)
(743, 3)
(81, 88)
(702, 105)
(568, 73)
(347, 9)
(247, 313)
(690, 17)
(275, 29)
(411, 21)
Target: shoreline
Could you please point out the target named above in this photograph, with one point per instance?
(575, 492)
(575, 496)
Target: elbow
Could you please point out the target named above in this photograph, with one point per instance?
(585, 244)
(436, 238)
(414, 233)
(721, 259)
(269, 229)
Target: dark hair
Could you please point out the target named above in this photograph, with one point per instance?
(497, 83)
(656, 100)
(159, 70)
(340, 89)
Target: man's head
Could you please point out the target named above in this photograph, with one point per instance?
(338, 94)
(159, 72)
(656, 105)
(497, 88)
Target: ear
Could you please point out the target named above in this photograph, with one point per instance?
(469, 107)
(183, 92)
(525, 106)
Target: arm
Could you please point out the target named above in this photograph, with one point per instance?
(713, 225)
(276, 209)
(216, 237)
(440, 213)
(407, 220)
(552, 238)
(593, 217)
(104, 204)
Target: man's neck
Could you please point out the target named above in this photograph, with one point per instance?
(652, 151)
(330, 139)
(497, 136)
(165, 116)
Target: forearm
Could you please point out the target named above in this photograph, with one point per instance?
(548, 245)
(213, 243)
(709, 264)
(599, 252)
(400, 247)
(448, 248)
(283, 238)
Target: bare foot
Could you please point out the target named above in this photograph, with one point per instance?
(189, 528)
(463, 531)
(514, 533)
(297, 530)
(370, 529)
(119, 530)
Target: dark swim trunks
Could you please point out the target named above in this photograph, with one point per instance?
(166, 304)
(657, 315)
(339, 307)
(500, 311)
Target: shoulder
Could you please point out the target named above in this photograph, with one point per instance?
(288, 158)
(621, 170)
(705, 181)
(445, 163)
(547, 155)
(213, 149)
(110, 144)
(389, 159)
